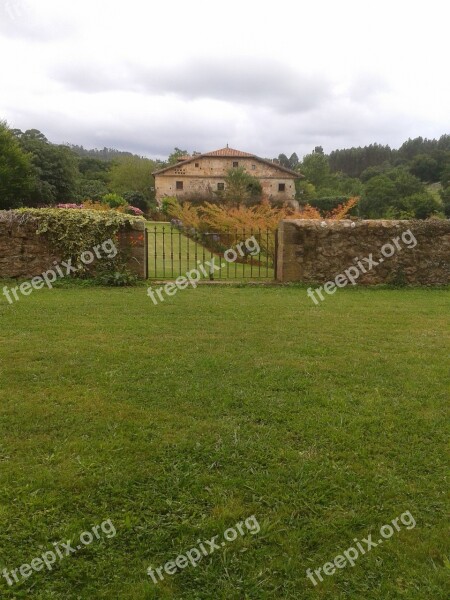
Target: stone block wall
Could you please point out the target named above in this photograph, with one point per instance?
(203, 179)
(314, 251)
(25, 254)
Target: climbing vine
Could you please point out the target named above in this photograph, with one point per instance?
(72, 232)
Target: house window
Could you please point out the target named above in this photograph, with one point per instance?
(281, 187)
(235, 164)
(253, 167)
(197, 164)
(220, 186)
(179, 185)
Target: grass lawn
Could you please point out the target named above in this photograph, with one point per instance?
(179, 420)
(171, 254)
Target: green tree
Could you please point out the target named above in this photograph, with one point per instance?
(425, 168)
(379, 194)
(445, 195)
(138, 200)
(316, 169)
(417, 206)
(15, 170)
(293, 161)
(397, 194)
(304, 191)
(55, 169)
(134, 174)
(176, 155)
(284, 161)
(241, 187)
(445, 176)
(91, 189)
(94, 168)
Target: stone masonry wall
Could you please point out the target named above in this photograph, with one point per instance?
(213, 170)
(314, 251)
(25, 254)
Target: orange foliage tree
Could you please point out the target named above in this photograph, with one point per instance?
(251, 220)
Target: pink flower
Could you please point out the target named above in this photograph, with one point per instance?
(134, 210)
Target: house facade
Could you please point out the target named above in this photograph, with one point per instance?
(203, 175)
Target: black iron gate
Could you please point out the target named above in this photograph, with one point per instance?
(237, 255)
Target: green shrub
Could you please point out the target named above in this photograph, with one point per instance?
(138, 199)
(328, 203)
(114, 200)
(114, 273)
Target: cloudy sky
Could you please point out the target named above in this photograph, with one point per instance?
(261, 76)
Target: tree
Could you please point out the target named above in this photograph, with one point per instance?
(397, 194)
(304, 191)
(138, 200)
(316, 169)
(425, 168)
(445, 195)
(55, 169)
(379, 193)
(94, 168)
(284, 161)
(176, 155)
(405, 183)
(91, 189)
(353, 161)
(445, 176)
(241, 188)
(293, 161)
(417, 206)
(15, 170)
(134, 174)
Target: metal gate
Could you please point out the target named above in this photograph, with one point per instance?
(217, 255)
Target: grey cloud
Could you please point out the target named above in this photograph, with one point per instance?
(245, 81)
(264, 134)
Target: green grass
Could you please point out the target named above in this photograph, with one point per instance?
(178, 420)
(172, 254)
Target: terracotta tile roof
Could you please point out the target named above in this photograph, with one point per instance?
(227, 152)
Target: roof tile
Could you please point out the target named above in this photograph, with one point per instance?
(227, 152)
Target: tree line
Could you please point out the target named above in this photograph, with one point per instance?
(35, 172)
(412, 181)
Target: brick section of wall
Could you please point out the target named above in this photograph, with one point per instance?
(314, 251)
(133, 245)
(25, 254)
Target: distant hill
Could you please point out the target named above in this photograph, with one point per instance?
(105, 154)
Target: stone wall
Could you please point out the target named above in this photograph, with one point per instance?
(25, 254)
(314, 251)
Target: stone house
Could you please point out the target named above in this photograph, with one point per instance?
(203, 175)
